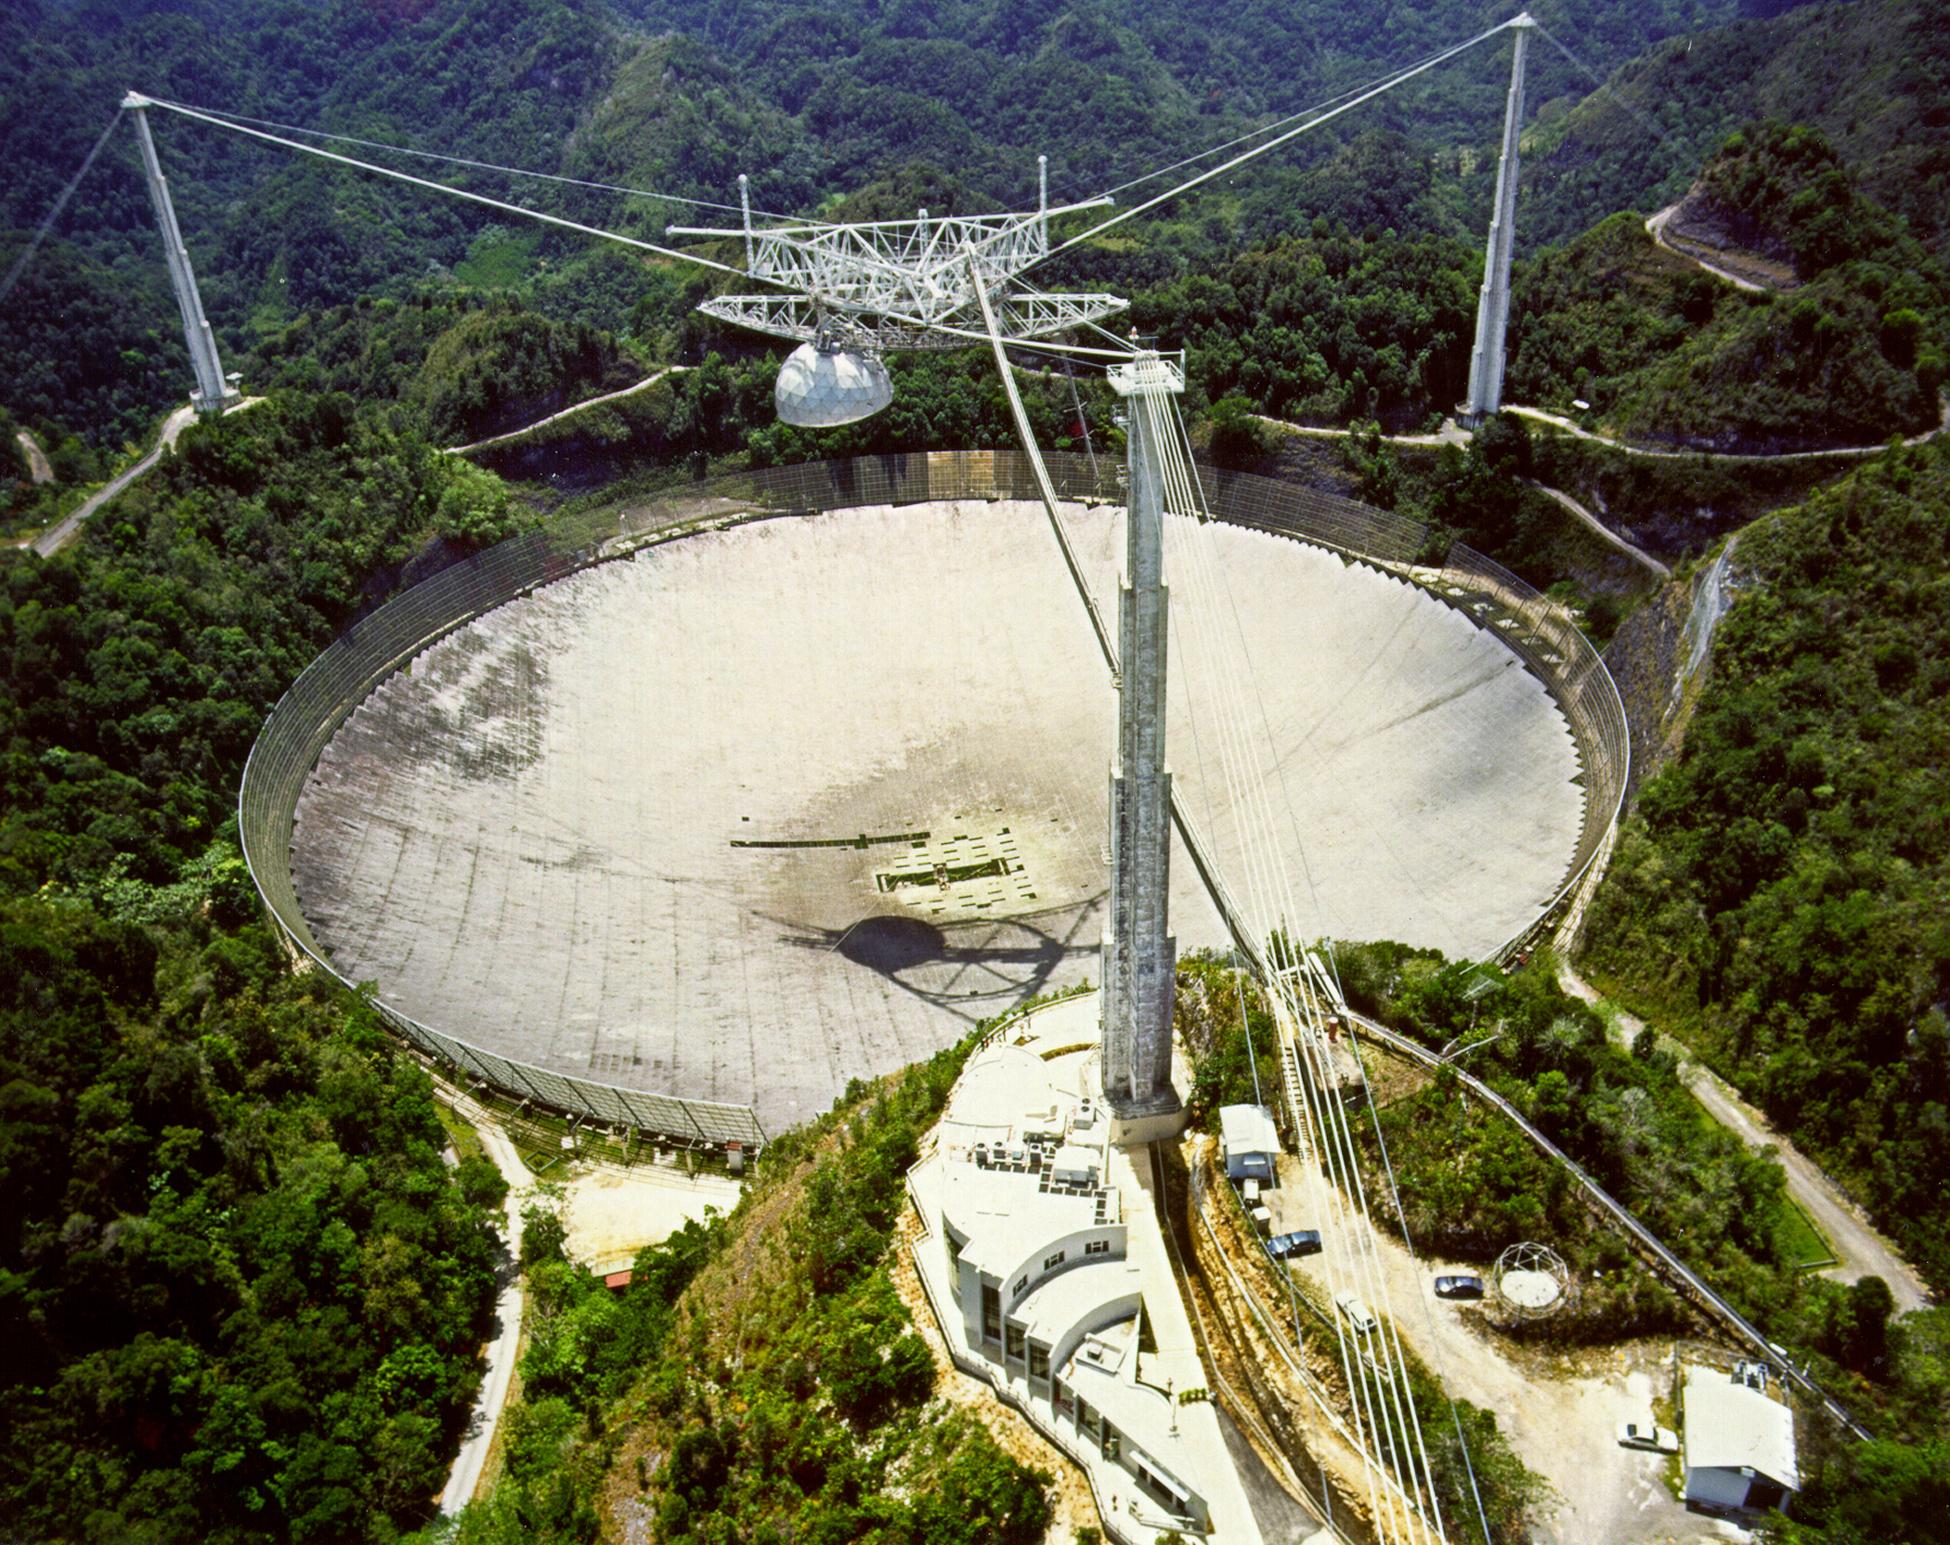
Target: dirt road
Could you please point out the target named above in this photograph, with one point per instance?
(1578, 431)
(1562, 1420)
(505, 1348)
(39, 470)
(1585, 517)
(1860, 1251)
(568, 412)
(58, 536)
(1656, 229)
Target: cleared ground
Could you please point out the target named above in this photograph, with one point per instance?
(762, 810)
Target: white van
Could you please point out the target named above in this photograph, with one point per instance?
(1357, 1314)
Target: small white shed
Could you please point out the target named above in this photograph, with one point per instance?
(1248, 1140)
(1738, 1445)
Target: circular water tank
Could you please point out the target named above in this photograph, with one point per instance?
(819, 388)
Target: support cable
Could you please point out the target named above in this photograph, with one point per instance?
(1251, 134)
(485, 166)
(20, 263)
(459, 193)
(1605, 86)
(1273, 144)
(1368, 1397)
(1294, 993)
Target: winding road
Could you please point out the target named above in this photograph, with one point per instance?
(1571, 427)
(568, 412)
(1860, 1251)
(58, 536)
(504, 1350)
(1655, 227)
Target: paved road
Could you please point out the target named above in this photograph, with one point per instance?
(1587, 518)
(504, 1350)
(1571, 427)
(56, 537)
(1860, 1251)
(1656, 229)
(1451, 433)
(38, 469)
(580, 407)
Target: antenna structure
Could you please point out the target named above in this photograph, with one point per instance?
(887, 285)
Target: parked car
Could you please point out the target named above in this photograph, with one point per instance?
(1662, 1440)
(1462, 1284)
(1357, 1314)
(1304, 1241)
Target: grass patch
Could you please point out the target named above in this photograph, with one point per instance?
(1803, 1246)
(460, 1132)
(500, 260)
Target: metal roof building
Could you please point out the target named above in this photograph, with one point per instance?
(1249, 1140)
(1739, 1443)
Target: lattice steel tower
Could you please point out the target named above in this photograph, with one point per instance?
(1140, 956)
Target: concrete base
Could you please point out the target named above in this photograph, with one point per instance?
(1136, 1131)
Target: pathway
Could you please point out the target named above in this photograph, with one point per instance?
(39, 471)
(1656, 229)
(1451, 433)
(58, 536)
(1639, 554)
(580, 407)
(1571, 427)
(1860, 1251)
(505, 1348)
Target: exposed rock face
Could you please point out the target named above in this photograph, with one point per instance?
(1701, 226)
(1661, 657)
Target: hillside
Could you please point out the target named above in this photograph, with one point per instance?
(242, 1293)
(1780, 897)
(1871, 75)
(759, 1379)
(677, 98)
(1667, 354)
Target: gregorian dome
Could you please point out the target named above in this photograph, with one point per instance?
(823, 384)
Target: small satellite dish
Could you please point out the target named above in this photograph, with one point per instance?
(822, 384)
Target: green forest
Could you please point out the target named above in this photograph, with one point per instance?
(1781, 898)
(243, 1293)
(244, 1290)
(759, 1378)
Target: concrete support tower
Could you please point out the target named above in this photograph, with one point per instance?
(1140, 956)
(212, 392)
(1493, 308)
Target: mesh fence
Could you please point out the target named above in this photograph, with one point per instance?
(339, 680)
(1547, 641)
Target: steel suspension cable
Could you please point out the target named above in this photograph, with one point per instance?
(1273, 144)
(452, 160)
(1304, 1008)
(1250, 134)
(451, 192)
(19, 264)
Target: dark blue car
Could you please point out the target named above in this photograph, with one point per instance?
(1304, 1241)
(1462, 1285)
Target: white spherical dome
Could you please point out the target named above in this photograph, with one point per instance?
(819, 388)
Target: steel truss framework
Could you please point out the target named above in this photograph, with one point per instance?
(901, 284)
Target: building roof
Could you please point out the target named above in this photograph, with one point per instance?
(1248, 1129)
(1732, 1427)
